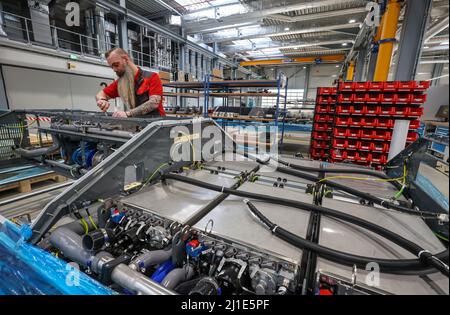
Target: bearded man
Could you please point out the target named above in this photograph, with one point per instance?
(141, 92)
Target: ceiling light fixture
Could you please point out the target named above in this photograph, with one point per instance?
(352, 21)
(286, 29)
(344, 44)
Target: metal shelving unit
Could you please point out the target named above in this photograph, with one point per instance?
(228, 89)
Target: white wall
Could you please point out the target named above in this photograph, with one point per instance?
(37, 80)
(37, 89)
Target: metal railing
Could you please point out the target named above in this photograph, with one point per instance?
(20, 28)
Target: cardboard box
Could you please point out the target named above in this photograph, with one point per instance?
(180, 76)
(217, 75)
(164, 75)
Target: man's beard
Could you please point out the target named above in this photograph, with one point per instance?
(125, 88)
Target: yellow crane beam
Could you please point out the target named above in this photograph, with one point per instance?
(386, 44)
(329, 58)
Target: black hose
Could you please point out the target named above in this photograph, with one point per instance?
(390, 265)
(340, 171)
(355, 192)
(331, 254)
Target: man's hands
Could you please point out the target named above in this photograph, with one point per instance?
(103, 105)
(120, 115)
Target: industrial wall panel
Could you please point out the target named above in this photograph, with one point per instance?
(37, 89)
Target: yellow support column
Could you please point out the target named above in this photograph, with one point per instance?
(388, 30)
(351, 71)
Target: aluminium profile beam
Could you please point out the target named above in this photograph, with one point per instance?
(202, 26)
(276, 30)
(238, 48)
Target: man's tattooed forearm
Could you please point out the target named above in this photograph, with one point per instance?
(147, 107)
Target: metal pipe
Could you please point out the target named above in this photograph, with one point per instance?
(178, 275)
(388, 32)
(70, 243)
(151, 258)
(34, 193)
(41, 151)
(137, 282)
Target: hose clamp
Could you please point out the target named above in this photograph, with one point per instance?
(423, 252)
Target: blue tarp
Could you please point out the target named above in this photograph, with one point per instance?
(29, 270)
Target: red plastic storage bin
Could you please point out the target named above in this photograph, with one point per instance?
(356, 121)
(372, 110)
(380, 134)
(326, 91)
(321, 136)
(322, 109)
(339, 143)
(422, 85)
(363, 157)
(406, 86)
(340, 132)
(346, 86)
(412, 136)
(414, 111)
(353, 133)
(376, 86)
(364, 145)
(402, 98)
(343, 110)
(345, 98)
(379, 158)
(343, 121)
(323, 118)
(360, 86)
(385, 123)
(351, 155)
(378, 147)
(352, 144)
(390, 86)
(373, 98)
(387, 110)
(320, 144)
(418, 99)
(387, 99)
(359, 98)
(339, 154)
(322, 127)
(366, 134)
(414, 124)
(369, 122)
(358, 110)
(400, 111)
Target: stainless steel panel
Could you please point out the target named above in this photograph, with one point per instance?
(176, 200)
(233, 221)
(233, 162)
(352, 239)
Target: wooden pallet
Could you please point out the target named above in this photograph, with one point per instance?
(24, 186)
(46, 139)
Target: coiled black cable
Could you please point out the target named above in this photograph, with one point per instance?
(426, 259)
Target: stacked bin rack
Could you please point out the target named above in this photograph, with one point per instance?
(323, 123)
(365, 116)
